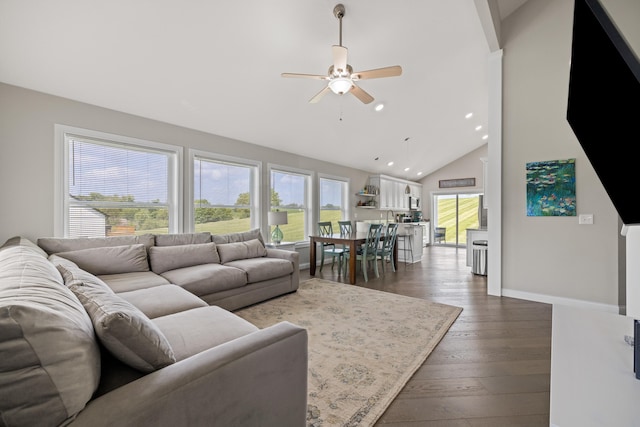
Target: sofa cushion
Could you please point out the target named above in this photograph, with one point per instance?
(49, 356)
(241, 250)
(182, 239)
(165, 258)
(124, 330)
(207, 279)
(125, 282)
(61, 244)
(110, 259)
(237, 237)
(162, 300)
(193, 331)
(259, 269)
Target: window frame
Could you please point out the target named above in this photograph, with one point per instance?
(256, 194)
(308, 196)
(61, 171)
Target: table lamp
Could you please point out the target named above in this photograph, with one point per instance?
(277, 218)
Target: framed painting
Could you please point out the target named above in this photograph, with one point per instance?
(551, 188)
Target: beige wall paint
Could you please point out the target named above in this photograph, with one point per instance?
(549, 257)
(468, 166)
(27, 120)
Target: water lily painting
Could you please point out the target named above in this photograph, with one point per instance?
(551, 188)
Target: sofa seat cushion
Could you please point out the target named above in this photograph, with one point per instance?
(192, 331)
(124, 330)
(165, 258)
(207, 279)
(162, 300)
(54, 245)
(49, 356)
(126, 282)
(259, 269)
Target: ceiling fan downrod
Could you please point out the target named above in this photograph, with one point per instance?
(338, 12)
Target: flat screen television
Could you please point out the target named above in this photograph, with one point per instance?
(604, 104)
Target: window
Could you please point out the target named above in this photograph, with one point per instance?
(225, 194)
(290, 192)
(114, 185)
(334, 200)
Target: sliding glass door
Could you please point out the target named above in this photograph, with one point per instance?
(452, 214)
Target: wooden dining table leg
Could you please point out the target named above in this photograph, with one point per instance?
(352, 262)
(312, 258)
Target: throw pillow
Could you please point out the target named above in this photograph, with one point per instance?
(74, 275)
(124, 330)
(165, 258)
(110, 259)
(241, 250)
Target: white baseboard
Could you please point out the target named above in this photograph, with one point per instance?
(550, 299)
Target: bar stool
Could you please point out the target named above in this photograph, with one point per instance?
(407, 246)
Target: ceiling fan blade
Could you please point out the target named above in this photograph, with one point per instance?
(359, 93)
(339, 59)
(305, 76)
(319, 95)
(393, 71)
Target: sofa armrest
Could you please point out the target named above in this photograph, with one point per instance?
(292, 256)
(256, 380)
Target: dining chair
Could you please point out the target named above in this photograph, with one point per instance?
(385, 249)
(440, 235)
(326, 229)
(368, 251)
(346, 228)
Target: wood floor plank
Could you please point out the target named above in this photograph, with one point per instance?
(493, 366)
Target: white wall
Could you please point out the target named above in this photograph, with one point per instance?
(552, 259)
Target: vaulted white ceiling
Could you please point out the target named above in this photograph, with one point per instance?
(215, 66)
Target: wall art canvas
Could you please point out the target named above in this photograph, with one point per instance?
(551, 188)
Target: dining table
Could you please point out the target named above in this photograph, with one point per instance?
(351, 240)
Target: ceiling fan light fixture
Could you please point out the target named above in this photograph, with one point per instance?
(340, 85)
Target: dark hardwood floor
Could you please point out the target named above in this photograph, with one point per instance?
(493, 366)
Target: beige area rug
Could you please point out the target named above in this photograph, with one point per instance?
(364, 345)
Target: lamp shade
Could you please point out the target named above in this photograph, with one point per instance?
(278, 218)
(340, 85)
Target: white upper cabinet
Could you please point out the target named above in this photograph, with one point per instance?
(392, 192)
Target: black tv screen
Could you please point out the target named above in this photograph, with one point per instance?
(604, 104)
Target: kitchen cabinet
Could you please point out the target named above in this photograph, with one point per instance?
(392, 193)
(426, 232)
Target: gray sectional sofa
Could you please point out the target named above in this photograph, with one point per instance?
(137, 331)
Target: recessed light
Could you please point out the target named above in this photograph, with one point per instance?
(478, 127)
(379, 107)
(485, 137)
(468, 116)
(390, 164)
(406, 169)
(419, 173)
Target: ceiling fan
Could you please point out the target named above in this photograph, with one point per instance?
(341, 78)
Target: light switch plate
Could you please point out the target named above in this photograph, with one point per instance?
(585, 219)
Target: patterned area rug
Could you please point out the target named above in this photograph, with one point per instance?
(364, 345)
